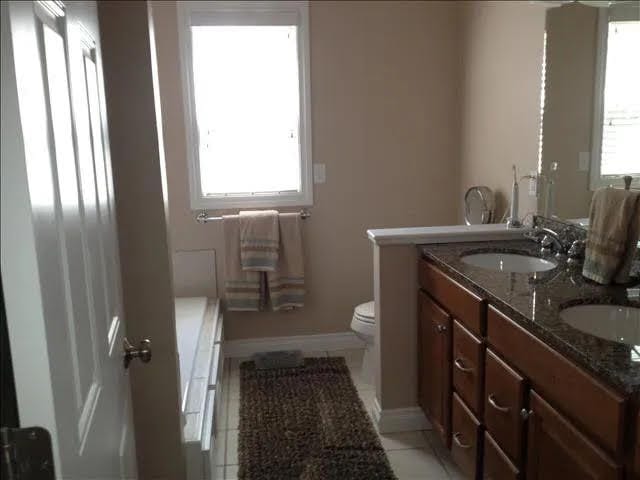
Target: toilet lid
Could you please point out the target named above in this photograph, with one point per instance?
(366, 311)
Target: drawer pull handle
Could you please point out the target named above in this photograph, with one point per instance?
(441, 328)
(492, 401)
(456, 439)
(460, 366)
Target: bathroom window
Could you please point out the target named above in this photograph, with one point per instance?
(616, 138)
(246, 87)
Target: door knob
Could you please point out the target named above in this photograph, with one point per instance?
(143, 352)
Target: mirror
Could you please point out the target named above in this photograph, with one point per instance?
(590, 132)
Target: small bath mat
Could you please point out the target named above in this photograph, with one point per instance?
(306, 423)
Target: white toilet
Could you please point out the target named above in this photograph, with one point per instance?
(364, 326)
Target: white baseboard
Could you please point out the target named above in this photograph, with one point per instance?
(306, 343)
(399, 419)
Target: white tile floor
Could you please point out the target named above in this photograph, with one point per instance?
(413, 455)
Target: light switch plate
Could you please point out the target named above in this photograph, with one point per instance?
(319, 173)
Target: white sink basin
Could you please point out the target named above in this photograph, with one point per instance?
(611, 322)
(508, 262)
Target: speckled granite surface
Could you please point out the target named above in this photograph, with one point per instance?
(534, 300)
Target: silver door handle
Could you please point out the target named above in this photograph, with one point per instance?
(460, 366)
(143, 352)
(492, 401)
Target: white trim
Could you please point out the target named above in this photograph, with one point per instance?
(306, 343)
(596, 180)
(598, 98)
(399, 419)
(254, 12)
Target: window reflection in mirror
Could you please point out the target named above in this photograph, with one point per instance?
(590, 135)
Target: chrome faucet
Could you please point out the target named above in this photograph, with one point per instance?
(550, 243)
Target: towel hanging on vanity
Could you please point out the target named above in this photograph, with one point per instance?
(614, 227)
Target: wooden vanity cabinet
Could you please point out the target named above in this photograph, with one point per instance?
(593, 407)
(434, 365)
(556, 450)
(507, 404)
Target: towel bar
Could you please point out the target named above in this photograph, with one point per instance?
(203, 216)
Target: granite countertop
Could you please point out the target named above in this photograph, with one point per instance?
(533, 300)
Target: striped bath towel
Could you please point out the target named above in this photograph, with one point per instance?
(614, 226)
(286, 283)
(244, 290)
(259, 240)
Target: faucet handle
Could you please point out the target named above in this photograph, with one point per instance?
(576, 252)
(533, 234)
(577, 249)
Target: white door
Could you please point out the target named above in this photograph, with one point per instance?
(60, 265)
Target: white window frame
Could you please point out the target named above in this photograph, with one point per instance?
(246, 13)
(596, 180)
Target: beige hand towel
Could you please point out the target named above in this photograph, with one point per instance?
(614, 226)
(259, 240)
(286, 283)
(243, 290)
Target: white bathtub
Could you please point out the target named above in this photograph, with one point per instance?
(199, 331)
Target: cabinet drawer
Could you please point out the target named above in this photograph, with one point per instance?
(596, 409)
(504, 398)
(468, 367)
(460, 302)
(465, 438)
(496, 465)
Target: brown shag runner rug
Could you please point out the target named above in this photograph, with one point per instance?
(306, 423)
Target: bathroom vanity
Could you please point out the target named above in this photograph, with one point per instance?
(511, 388)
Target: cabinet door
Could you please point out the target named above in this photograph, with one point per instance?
(558, 451)
(434, 365)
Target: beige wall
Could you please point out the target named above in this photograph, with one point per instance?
(502, 51)
(568, 115)
(500, 114)
(384, 86)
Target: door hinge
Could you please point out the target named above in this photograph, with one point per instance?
(26, 454)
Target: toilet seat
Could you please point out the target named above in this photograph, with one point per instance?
(365, 313)
(363, 325)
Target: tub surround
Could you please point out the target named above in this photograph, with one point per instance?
(535, 300)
